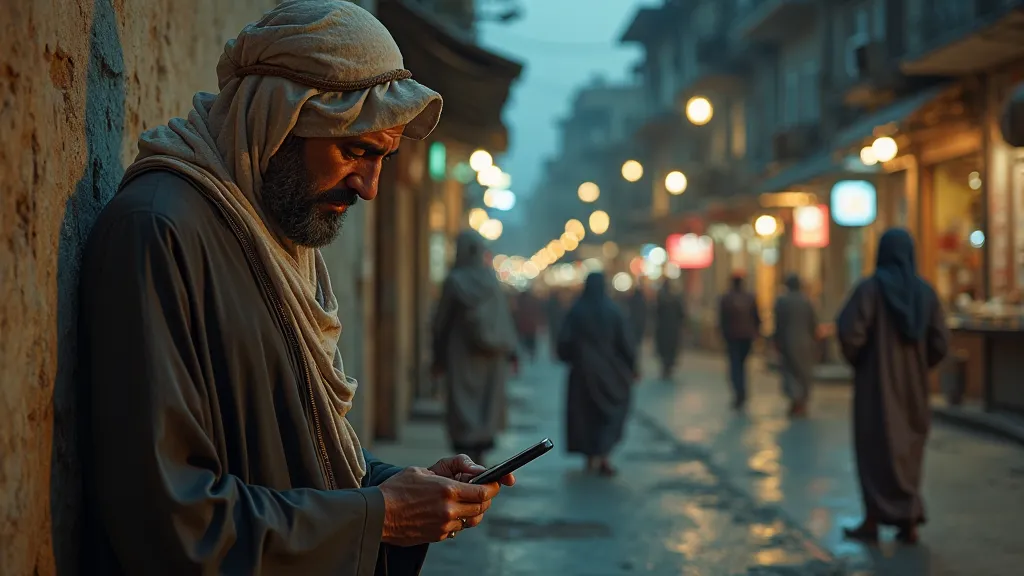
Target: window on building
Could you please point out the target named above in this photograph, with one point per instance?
(738, 123)
(719, 144)
(879, 20)
(791, 98)
(810, 91)
(859, 36)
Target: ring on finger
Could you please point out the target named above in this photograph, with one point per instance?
(463, 520)
(451, 535)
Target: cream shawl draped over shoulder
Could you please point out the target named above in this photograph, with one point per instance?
(313, 68)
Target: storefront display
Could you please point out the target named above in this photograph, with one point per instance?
(958, 213)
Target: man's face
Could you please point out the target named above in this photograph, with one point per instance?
(312, 183)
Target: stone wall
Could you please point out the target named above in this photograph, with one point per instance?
(78, 81)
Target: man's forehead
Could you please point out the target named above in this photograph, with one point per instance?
(377, 142)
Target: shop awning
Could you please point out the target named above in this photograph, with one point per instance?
(803, 171)
(474, 82)
(897, 112)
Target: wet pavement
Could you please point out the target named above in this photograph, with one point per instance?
(670, 512)
(703, 491)
(973, 488)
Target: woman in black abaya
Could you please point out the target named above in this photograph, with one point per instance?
(892, 331)
(595, 342)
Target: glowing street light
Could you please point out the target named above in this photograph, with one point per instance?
(599, 222)
(867, 156)
(575, 227)
(632, 171)
(489, 176)
(491, 229)
(556, 248)
(588, 192)
(480, 160)
(477, 216)
(766, 225)
(675, 183)
(569, 241)
(885, 148)
(699, 110)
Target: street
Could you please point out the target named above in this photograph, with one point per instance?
(704, 491)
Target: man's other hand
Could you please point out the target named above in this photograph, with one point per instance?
(463, 469)
(422, 507)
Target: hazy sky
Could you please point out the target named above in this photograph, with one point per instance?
(563, 44)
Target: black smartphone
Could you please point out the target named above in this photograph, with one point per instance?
(495, 473)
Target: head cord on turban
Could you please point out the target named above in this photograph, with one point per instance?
(275, 80)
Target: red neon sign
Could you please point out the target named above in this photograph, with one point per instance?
(689, 251)
(810, 226)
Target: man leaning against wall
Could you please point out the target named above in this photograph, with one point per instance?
(217, 438)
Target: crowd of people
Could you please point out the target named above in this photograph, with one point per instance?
(891, 331)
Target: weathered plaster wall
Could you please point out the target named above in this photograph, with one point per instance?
(78, 81)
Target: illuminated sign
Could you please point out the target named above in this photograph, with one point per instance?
(810, 226)
(437, 160)
(689, 251)
(854, 203)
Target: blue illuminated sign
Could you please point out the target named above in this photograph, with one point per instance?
(854, 203)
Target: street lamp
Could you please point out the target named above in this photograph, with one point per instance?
(588, 192)
(699, 110)
(885, 149)
(675, 183)
(491, 229)
(766, 225)
(575, 228)
(632, 171)
(480, 159)
(477, 216)
(867, 156)
(599, 222)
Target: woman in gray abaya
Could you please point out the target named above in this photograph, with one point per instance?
(796, 327)
(596, 344)
(892, 331)
(474, 341)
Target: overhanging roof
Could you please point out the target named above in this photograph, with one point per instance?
(474, 82)
(650, 22)
(899, 111)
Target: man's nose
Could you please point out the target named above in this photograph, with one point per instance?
(364, 182)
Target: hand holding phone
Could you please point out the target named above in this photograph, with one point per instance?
(495, 473)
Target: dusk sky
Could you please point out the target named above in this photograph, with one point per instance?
(563, 44)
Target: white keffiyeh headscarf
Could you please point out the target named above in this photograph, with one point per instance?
(313, 68)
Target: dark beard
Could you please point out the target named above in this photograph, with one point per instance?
(291, 199)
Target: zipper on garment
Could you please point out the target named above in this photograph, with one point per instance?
(289, 331)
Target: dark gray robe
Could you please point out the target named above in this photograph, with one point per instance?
(595, 342)
(891, 411)
(796, 325)
(474, 377)
(201, 452)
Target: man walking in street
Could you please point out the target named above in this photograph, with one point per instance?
(796, 341)
(217, 438)
(740, 324)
